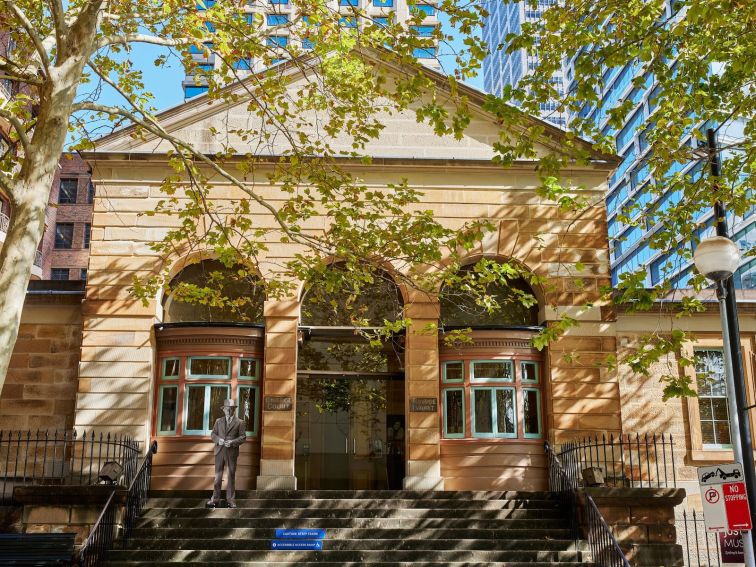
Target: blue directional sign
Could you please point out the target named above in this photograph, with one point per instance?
(297, 544)
(300, 533)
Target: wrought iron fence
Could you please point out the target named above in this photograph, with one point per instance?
(639, 461)
(700, 548)
(605, 550)
(104, 532)
(62, 457)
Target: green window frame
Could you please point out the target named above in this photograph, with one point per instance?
(447, 434)
(191, 376)
(445, 371)
(524, 373)
(476, 364)
(207, 415)
(161, 409)
(255, 408)
(494, 414)
(538, 434)
(257, 365)
(164, 375)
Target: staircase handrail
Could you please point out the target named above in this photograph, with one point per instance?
(605, 550)
(103, 533)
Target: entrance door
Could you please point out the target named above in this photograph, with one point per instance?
(350, 431)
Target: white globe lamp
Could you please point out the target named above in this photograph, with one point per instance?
(717, 258)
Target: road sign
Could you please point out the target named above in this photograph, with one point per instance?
(723, 494)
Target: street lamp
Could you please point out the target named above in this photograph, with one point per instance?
(717, 258)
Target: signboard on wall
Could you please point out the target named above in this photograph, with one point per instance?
(278, 403)
(723, 494)
(424, 405)
(731, 547)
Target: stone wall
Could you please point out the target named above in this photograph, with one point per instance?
(40, 388)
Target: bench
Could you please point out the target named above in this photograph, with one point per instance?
(37, 549)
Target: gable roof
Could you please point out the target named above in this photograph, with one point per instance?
(407, 138)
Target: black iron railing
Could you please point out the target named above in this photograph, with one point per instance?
(605, 550)
(639, 461)
(104, 532)
(62, 457)
(700, 548)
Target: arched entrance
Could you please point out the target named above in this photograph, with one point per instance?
(209, 348)
(350, 391)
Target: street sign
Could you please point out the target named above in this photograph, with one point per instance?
(731, 547)
(724, 498)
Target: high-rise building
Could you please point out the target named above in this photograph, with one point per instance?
(630, 184)
(501, 68)
(278, 17)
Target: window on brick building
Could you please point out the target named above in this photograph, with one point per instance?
(90, 193)
(712, 398)
(87, 235)
(59, 274)
(83, 274)
(64, 235)
(67, 192)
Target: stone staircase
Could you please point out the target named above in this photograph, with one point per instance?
(380, 528)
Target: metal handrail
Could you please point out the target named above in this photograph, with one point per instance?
(605, 550)
(103, 533)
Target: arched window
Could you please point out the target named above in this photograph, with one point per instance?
(210, 292)
(467, 305)
(337, 300)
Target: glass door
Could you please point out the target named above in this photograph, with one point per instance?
(350, 432)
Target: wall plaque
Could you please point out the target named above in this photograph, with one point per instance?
(424, 404)
(278, 403)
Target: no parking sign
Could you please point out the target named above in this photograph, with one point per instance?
(724, 498)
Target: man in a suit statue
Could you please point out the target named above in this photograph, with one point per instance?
(228, 433)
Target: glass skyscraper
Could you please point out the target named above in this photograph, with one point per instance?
(630, 184)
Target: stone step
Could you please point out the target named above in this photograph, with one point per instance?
(367, 494)
(406, 513)
(359, 503)
(345, 544)
(299, 563)
(538, 528)
(342, 556)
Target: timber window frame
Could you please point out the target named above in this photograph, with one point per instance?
(254, 407)
(494, 392)
(445, 396)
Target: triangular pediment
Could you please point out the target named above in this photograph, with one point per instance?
(403, 136)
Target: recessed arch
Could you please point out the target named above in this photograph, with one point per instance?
(210, 292)
(468, 303)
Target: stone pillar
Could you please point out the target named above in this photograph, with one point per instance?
(279, 396)
(421, 381)
(643, 523)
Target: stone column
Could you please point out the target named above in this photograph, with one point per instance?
(279, 391)
(421, 381)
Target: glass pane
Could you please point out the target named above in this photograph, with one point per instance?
(530, 371)
(247, 407)
(195, 411)
(483, 417)
(505, 411)
(217, 395)
(704, 406)
(454, 371)
(707, 433)
(531, 417)
(248, 368)
(498, 370)
(455, 423)
(168, 410)
(171, 367)
(719, 406)
(209, 367)
(722, 429)
(710, 373)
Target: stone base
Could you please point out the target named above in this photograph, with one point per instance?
(656, 555)
(423, 483)
(276, 482)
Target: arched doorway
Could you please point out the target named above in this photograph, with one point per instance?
(209, 348)
(350, 390)
(492, 386)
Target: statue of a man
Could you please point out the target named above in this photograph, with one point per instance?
(228, 433)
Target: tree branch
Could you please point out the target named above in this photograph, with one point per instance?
(19, 128)
(139, 38)
(27, 25)
(58, 17)
(23, 74)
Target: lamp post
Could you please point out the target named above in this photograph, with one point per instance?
(717, 258)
